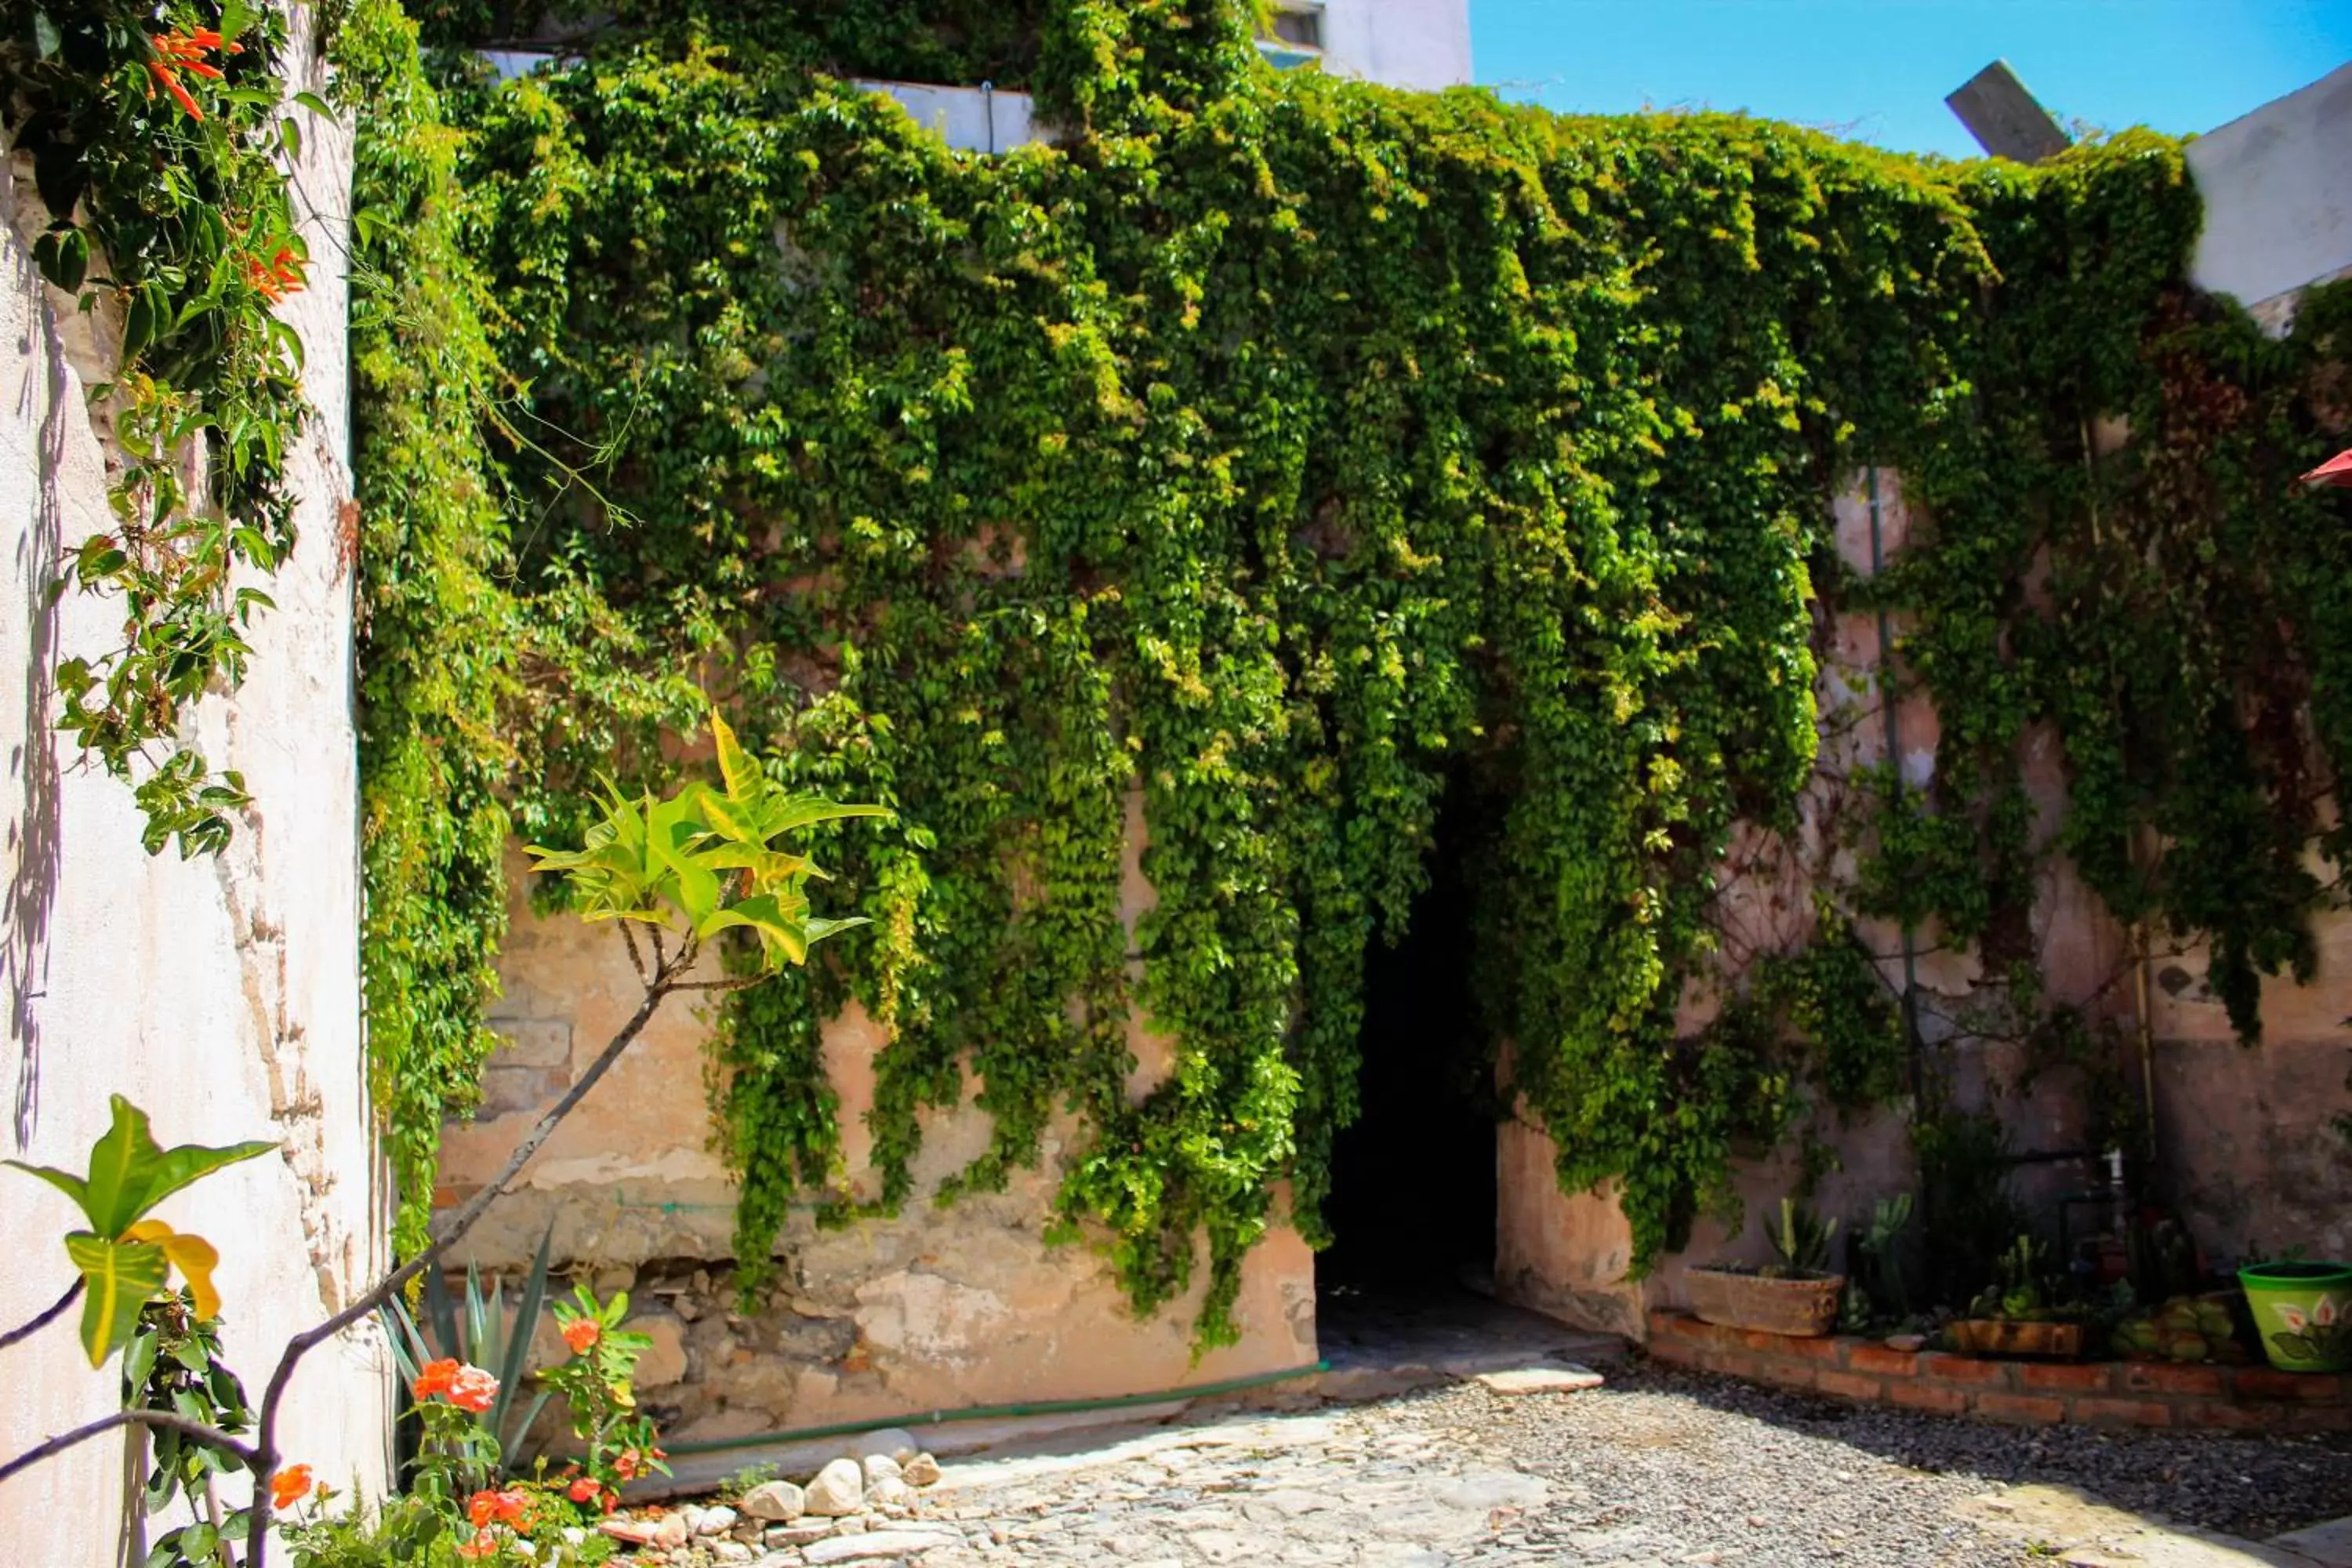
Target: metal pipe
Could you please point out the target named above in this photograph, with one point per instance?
(988, 109)
(998, 1411)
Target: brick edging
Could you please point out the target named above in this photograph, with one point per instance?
(2041, 1394)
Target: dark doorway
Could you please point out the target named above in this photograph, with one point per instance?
(1411, 1207)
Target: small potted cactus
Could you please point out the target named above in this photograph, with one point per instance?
(2016, 1316)
(1797, 1296)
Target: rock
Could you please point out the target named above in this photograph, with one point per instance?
(664, 1361)
(692, 1513)
(892, 1495)
(879, 1545)
(774, 1499)
(922, 1470)
(1570, 1378)
(1906, 1342)
(895, 1442)
(838, 1490)
(671, 1533)
(879, 1468)
(631, 1532)
(730, 1551)
(852, 1525)
(797, 1534)
(714, 1521)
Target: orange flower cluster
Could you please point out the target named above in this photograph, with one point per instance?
(466, 1387)
(580, 1333)
(176, 52)
(504, 1507)
(289, 1486)
(280, 276)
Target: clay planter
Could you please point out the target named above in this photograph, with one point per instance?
(1802, 1307)
(1999, 1336)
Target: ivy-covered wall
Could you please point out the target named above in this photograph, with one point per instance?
(1292, 452)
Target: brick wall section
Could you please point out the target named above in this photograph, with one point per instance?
(2041, 1393)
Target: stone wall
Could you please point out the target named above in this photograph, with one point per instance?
(222, 995)
(941, 1309)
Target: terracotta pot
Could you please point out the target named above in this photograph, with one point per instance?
(1999, 1336)
(1802, 1308)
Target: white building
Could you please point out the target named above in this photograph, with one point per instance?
(1423, 44)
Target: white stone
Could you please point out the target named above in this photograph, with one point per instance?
(714, 1521)
(878, 1545)
(1572, 1378)
(797, 1534)
(730, 1551)
(890, 1494)
(774, 1499)
(879, 1468)
(839, 1490)
(922, 1470)
(671, 1533)
(895, 1442)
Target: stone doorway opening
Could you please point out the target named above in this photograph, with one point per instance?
(1413, 1199)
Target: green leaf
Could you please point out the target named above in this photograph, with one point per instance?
(46, 38)
(63, 255)
(118, 1278)
(316, 105)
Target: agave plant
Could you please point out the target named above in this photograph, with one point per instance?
(477, 1330)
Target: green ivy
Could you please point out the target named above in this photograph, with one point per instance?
(441, 668)
(1280, 448)
(155, 134)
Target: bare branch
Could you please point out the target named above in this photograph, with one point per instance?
(740, 983)
(265, 1458)
(73, 1294)
(166, 1420)
(636, 959)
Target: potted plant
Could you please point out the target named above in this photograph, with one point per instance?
(2303, 1314)
(1797, 1296)
(2016, 1316)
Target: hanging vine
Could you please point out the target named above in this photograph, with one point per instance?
(1272, 450)
(156, 134)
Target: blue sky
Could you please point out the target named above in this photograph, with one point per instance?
(1877, 70)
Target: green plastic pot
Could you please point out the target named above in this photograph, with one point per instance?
(2303, 1314)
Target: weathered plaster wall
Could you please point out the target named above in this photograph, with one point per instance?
(2277, 185)
(938, 1309)
(222, 995)
(1423, 44)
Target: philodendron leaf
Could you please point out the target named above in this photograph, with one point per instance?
(118, 1278)
(193, 1256)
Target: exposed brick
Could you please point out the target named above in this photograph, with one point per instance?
(1847, 1386)
(2090, 1378)
(1785, 1373)
(1879, 1359)
(2032, 1409)
(1965, 1369)
(2162, 1377)
(1928, 1397)
(1822, 1347)
(1679, 1326)
(2122, 1412)
(1675, 1351)
(2263, 1382)
(2218, 1416)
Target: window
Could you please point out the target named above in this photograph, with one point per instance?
(1299, 28)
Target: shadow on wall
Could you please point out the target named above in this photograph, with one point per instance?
(33, 833)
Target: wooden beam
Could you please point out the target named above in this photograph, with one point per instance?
(2007, 121)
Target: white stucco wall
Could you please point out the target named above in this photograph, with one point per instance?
(222, 995)
(2277, 187)
(1422, 44)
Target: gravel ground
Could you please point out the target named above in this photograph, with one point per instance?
(1659, 1467)
(2235, 1484)
(1655, 1468)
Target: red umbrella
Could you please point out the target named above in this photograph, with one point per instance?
(2336, 470)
